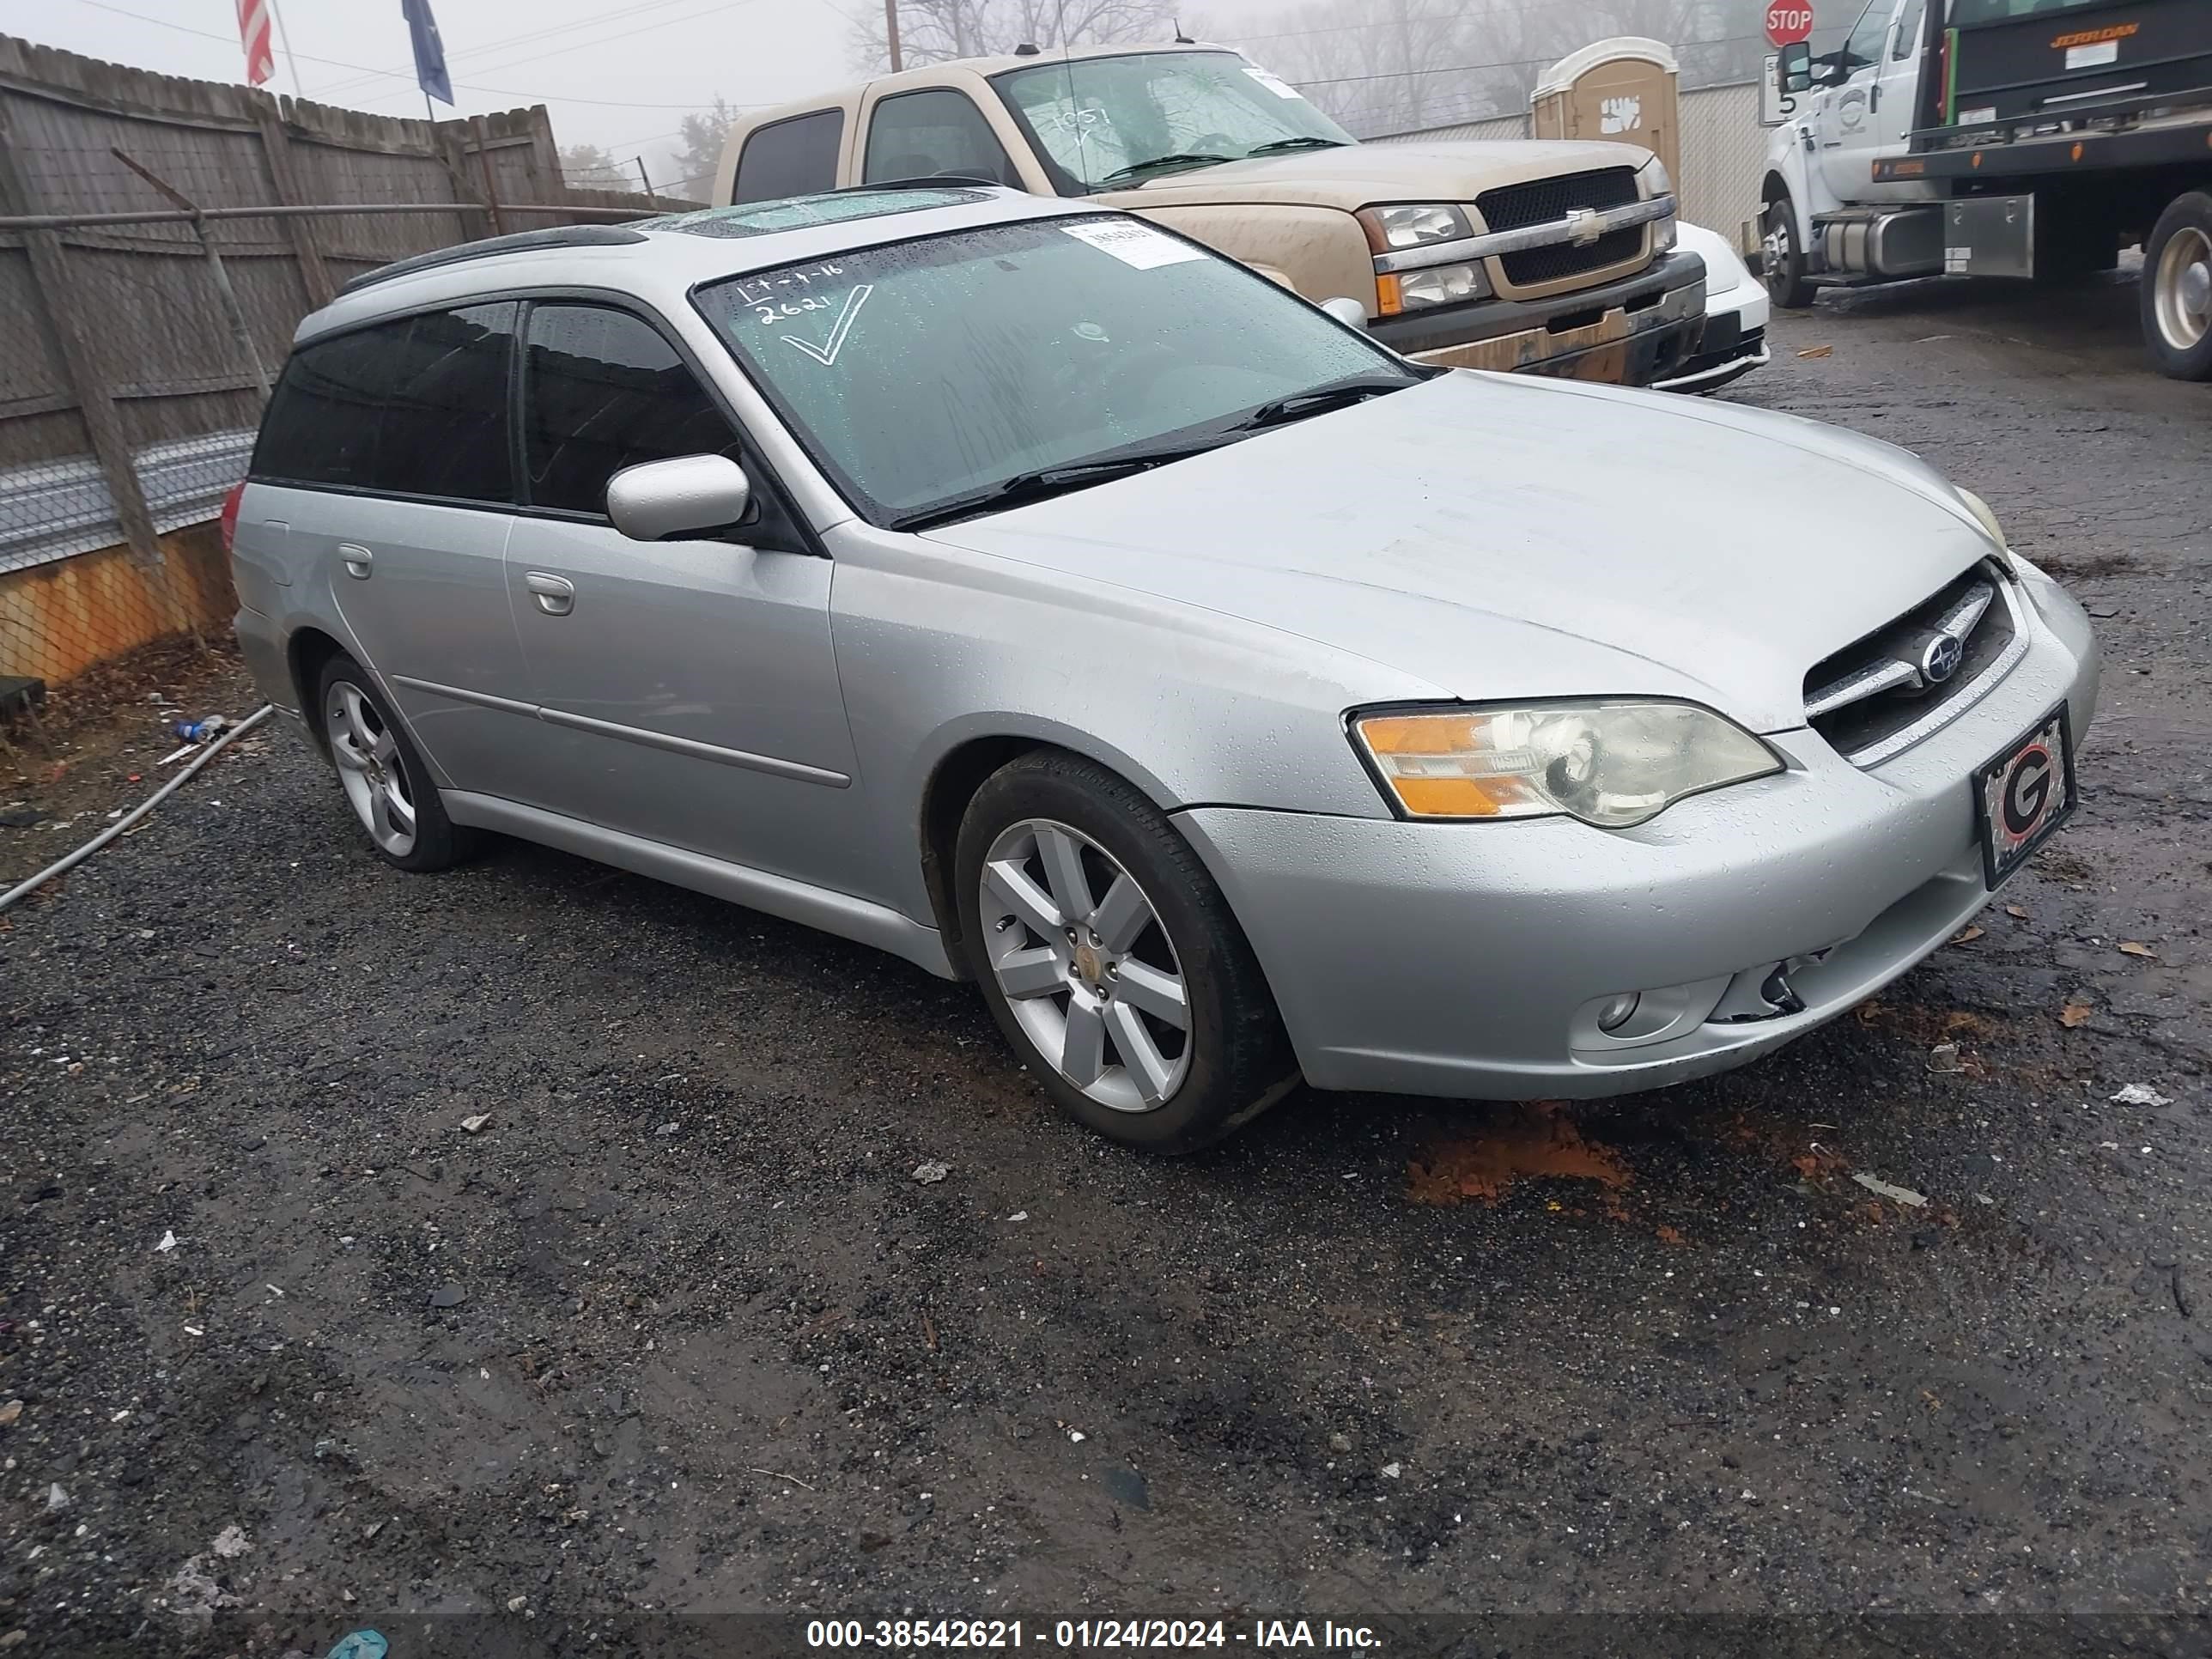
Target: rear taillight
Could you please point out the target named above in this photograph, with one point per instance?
(230, 513)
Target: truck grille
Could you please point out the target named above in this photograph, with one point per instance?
(1879, 693)
(1543, 201)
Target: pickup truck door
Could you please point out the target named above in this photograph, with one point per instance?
(1866, 111)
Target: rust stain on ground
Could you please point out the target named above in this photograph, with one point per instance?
(1536, 1141)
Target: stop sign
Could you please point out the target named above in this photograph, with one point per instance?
(1788, 21)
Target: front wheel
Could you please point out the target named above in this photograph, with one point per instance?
(2177, 288)
(1110, 960)
(1782, 259)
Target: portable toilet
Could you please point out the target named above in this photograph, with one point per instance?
(1625, 89)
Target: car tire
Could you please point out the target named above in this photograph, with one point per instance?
(2177, 288)
(1089, 999)
(382, 774)
(1782, 261)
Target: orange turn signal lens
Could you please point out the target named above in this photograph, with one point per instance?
(1388, 301)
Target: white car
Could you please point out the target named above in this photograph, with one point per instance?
(1735, 340)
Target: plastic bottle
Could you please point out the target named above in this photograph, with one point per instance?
(199, 731)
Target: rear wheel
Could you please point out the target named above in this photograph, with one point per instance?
(1111, 961)
(384, 781)
(1782, 259)
(2177, 288)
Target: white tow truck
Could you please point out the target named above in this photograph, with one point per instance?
(2022, 138)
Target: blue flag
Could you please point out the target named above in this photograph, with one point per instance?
(429, 51)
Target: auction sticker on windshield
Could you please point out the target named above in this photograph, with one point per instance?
(1133, 242)
(2022, 796)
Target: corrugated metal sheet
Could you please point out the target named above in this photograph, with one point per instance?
(59, 508)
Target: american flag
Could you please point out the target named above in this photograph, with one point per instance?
(253, 31)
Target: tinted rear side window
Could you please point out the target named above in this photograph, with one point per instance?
(417, 406)
(603, 391)
(792, 158)
(922, 135)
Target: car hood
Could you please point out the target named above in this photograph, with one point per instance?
(1502, 536)
(1355, 175)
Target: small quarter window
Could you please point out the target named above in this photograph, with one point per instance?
(790, 158)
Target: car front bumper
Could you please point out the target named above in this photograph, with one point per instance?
(1629, 331)
(1468, 959)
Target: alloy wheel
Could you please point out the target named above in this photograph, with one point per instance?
(1086, 965)
(2182, 288)
(370, 768)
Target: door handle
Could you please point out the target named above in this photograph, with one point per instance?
(358, 561)
(557, 595)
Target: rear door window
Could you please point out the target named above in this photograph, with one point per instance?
(603, 390)
(922, 135)
(417, 406)
(792, 158)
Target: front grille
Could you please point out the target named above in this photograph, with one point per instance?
(1875, 688)
(1515, 207)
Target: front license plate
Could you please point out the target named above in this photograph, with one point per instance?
(2023, 795)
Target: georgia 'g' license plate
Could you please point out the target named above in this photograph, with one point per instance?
(2023, 795)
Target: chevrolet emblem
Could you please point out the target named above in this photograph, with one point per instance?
(1583, 227)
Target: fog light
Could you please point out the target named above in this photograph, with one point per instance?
(1618, 1012)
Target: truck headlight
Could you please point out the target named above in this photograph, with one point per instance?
(1413, 224)
(1441, 285)
(1651, 179)
(1611, 763)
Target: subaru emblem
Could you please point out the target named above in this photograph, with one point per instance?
(1941, 660)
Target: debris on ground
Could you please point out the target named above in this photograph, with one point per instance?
(168, 1243)
(1534, 1140)
(1904, 1195)
(56, 1497)
(1393, 1470)
(1818, 351)
(1966, 935)
(1944, 1057)
(471, 1125)
(231, 1542)
(10, 1411)
(2133, 947)
(2073, 1013)
(931, 1173)
(2139, 1094)
(360, 1645)
(448, 1295)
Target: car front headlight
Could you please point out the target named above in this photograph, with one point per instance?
(1982, 511)
(1413, 224)
(1612, 763)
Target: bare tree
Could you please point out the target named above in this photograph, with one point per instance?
(934, 31)
(700, 137)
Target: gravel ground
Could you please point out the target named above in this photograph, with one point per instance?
(678, 1328)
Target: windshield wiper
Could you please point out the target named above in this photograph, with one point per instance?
(1046, 482)
(1281, 144)
(1135, 168)
(1321, 400)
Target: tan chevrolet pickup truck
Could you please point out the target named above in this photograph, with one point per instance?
(1552, 258)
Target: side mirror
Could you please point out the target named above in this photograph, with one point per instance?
(690, 496)
(1350, 312)
(1793, 68)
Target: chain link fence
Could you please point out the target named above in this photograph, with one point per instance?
(160, 241)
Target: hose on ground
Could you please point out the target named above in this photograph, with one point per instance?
(24, 890)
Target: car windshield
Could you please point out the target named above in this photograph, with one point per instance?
(1108, 122)
(939, 376)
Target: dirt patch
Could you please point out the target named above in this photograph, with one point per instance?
(1535, 1141)
(2087, 567)
(96, 745)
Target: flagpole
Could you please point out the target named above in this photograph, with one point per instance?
(290, 63)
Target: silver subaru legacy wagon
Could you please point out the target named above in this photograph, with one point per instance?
(1028, 591)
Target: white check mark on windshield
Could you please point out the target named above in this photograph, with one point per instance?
(826, 354)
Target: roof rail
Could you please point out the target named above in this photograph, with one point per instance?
(520, 241)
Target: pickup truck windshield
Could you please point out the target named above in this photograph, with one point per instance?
(1109, 122)
(958, 372)
(1970, 13)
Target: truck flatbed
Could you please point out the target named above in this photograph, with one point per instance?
(2158, 141)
